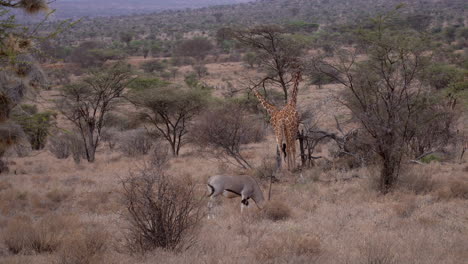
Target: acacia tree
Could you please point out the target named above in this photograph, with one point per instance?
(385, 92)
(169, 110)
(276, 52)
(87, 103)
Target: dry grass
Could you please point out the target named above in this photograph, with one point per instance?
(57, 195)
(4, 185)
(453, 190)
(13, 201)
(288, 248)
(405, 206)
(331, 216)
(87, 246)
(328, 216)
(378, 252)
(22, 235)
(99, 202)
(17, 235)
(417, 179)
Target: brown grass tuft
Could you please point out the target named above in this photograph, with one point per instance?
(288, 247)
(417, 179)
(4, 185)
(85, 247)
(17, 234)
(22, 235)
(378, 253)
(459, 189)
(51, 202)
(454, 189)
(58, 195)
(96, 202)
(12, 201)
(406, 206)
(276, 211)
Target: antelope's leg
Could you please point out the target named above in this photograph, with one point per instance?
(244, 203)
(211, 203)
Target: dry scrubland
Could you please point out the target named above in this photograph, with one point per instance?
(54, 211)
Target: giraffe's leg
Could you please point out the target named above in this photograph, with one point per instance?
(278, 159)
(279, 156)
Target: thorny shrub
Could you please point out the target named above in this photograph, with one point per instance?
(135, 142)
(162, 212)
(227, 134)
(65, 144)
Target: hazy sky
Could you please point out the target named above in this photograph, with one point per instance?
(92, 8)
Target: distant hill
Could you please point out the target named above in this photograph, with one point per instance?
(323, 20)
(103, 8)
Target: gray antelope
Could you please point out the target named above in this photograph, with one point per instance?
(234, 186)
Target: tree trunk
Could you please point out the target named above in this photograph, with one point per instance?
(389, 172)
(91, 148)
(302, 149)
(175, 152)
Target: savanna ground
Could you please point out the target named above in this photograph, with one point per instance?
(55, 211)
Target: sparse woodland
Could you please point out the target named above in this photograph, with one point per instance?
(111, 126)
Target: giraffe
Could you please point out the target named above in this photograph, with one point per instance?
(285, 123)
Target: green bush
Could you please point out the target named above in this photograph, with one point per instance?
(153, 66)
(429, 158)
(302, 26)
(251, 59)
(320, 79)
(440, 76)
(35, 124)
(141, 84)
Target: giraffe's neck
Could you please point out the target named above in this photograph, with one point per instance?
(293, 101)
(271, 109)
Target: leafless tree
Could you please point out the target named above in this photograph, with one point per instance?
(226, 130)
(311, 136)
